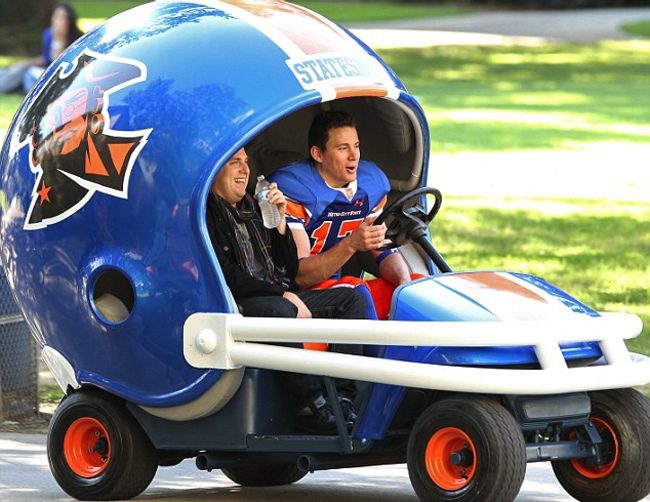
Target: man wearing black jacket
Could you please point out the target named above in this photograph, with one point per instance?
(260, 264)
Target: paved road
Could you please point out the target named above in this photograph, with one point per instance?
(25, 477)
(605, 171)
(586, 25)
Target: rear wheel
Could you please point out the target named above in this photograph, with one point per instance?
(466, 449)
(264, 474)
(97, 451)
(622, 418)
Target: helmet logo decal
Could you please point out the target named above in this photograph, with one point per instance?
(74, 151)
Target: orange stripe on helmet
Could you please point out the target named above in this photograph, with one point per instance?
(351, 92)
(499, 283)
(309, 32)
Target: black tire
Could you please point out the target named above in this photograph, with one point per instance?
(264, 474)
(482, 435)
(97, 451)
(622, 417)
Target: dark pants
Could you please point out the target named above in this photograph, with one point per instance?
(335, 303)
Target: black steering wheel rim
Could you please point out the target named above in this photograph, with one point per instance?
(408, 221)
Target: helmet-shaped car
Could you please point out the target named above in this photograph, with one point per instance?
(105, 173)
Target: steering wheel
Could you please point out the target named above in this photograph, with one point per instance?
(406, 218)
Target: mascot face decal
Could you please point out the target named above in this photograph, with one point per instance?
(73, 149)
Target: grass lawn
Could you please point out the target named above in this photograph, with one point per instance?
(8, 105)
(98, 9)
(640, 28)
(350, 12)
(556, 96)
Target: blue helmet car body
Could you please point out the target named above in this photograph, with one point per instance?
(107, 166)
(105, 173)
(108, 162)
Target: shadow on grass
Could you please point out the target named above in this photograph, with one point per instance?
(455, 136)
(585, 91)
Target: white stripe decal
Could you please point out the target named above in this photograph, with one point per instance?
(276, 36)
(325, 72)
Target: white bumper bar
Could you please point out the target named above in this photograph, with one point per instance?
(223, 341)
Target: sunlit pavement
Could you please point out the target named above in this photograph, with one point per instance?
(604, 171)
(527, 26)
(25, 476)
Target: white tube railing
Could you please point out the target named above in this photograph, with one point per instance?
(223, 341)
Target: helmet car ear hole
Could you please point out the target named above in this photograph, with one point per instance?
(112, 296)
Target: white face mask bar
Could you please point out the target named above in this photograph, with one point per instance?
(227, 341)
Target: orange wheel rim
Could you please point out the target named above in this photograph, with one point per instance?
(87, 447)
(599, 471)
(450, 459)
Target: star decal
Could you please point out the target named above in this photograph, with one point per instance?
(44, 194)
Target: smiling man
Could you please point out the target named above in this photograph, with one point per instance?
(333, 199)
(259, 265)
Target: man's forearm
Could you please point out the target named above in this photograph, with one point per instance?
(316, 268)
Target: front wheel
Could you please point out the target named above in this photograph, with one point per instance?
(622, 419)
(466, 449)
(97, 451)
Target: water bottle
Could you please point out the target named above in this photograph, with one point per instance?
(270, 213)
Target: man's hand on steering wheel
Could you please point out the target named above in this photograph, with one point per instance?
(368, 236)
(407, 218)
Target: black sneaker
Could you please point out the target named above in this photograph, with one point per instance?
(317, 417)
(350, 414)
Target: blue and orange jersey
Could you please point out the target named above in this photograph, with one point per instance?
(329, 214)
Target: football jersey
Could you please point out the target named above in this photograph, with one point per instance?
(329, 214)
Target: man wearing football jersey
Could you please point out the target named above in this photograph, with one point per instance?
(333, 200)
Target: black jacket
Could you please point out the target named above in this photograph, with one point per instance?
(241, 283)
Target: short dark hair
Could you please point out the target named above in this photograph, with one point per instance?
(324, 122)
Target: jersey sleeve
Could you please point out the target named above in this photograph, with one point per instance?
(292, 182)
(377, 210)
(297, 215)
